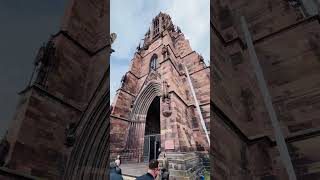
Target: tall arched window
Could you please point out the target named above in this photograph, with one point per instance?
(153, 62)
(156, 27)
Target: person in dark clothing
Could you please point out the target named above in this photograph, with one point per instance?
(164, 174)
(164, 170)
(114, 175)
(118, 170)
(153, 171)
(159, 152)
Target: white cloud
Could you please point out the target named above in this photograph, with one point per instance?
(194, 19)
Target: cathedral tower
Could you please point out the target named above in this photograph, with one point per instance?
(155, 106)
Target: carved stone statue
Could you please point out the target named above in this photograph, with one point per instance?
(165, 52)
(178, 29)
(132, 103)
(201, 58)
(163, 26)
(165, 89)
(44, 62)
(138, 47)
(70, 134)
(147, 33)
(123, 80)
(247, 99)
(113, 37)
(167, 107)
(166, 111)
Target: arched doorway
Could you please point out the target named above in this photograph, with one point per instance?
(142, 122)
(152, 131)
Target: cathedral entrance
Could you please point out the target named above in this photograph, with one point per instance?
(152, 144)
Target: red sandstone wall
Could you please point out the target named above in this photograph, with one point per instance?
(285, 44)
(177, 127)
(38, 147)
(80, 59)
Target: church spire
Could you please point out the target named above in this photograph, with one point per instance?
(159, 24)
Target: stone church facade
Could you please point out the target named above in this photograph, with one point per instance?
(54, 133)
(63, 121)
(285, 37)
(155, 107)
(64, 127)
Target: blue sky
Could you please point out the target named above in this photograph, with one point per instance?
(130, 20)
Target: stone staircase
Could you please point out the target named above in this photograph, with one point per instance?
(205, 159)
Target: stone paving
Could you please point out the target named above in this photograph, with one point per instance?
(128, 178)
(134, 169)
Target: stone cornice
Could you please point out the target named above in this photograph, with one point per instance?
(224, 42)
(123, 90)
(134, 75)
(121, 118)
(266, 139)
(194, 72)
(50, 95)
(288, 28)
(77, 43)
(185, 103)
(262, 39)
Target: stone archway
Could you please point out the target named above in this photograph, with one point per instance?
(135, 141)
(152, 136)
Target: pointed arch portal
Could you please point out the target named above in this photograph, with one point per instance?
(143, 139)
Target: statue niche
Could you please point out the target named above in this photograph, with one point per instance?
(166, 111)
(123, 80)
(165, 52)
(44, 62)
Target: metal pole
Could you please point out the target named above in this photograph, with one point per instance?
(197, 105)
(281, 144)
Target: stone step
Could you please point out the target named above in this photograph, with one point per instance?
(126, 177)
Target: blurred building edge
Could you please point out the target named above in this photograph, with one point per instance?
(49, 136)
(285, 36)
(4, 149)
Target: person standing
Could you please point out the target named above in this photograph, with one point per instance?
(153, 171)
(114, 175)
(118, 163)
(118, 160)
(165, 168)
(159, 152)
